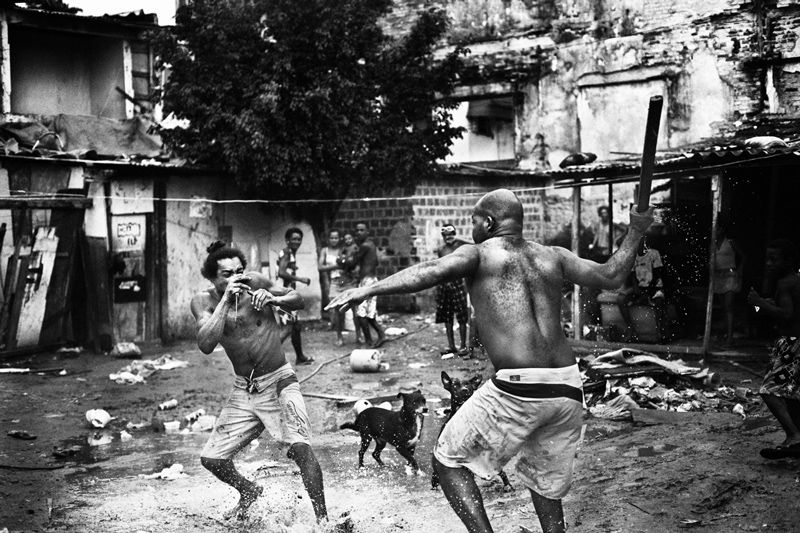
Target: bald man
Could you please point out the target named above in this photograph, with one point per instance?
(534, 404)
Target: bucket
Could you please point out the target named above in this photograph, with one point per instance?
(365, 360)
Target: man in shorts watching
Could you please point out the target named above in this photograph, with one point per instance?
(533, 405)
(451, 298)
(236, 312)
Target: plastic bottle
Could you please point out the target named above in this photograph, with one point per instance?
(171, 404)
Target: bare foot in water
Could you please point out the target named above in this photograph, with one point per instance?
(245, 501)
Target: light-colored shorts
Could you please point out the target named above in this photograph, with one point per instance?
(245, 415)
(544, 426)
(369, 307)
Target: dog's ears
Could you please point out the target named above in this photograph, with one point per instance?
(476, 381)
(447, 383)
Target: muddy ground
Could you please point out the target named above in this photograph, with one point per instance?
(702, 473)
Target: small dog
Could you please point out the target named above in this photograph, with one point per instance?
(460, 391)
(400, 428)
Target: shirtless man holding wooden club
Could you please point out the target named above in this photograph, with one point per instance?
(534, 402)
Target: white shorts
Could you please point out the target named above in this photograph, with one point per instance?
(245, 415)
(544, 426)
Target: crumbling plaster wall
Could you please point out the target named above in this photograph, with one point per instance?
(547, 49)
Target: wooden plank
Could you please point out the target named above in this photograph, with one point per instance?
(94, 258)
(19, 282)
(375, 400)
(56, 325)
(716, 204)
(34, 298)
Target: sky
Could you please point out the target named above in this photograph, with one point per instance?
(165, 9)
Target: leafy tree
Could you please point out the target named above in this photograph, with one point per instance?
(308, 99)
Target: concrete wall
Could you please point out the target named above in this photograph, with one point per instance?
(54, 73)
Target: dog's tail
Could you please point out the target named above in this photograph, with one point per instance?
(349, 425)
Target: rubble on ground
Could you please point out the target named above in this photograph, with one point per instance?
(137, 371)
(619, 382)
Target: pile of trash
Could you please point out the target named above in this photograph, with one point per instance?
(619, 382)
(139, 370)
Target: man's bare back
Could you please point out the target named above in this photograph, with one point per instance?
(515, 291)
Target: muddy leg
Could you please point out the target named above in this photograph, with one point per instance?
(226, 472)
(373, 323)
(448, 329)
(551, 514)
(462, 334)
(464, 496)
(311, 473)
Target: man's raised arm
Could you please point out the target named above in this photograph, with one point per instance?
(265, 292)
(612, 273)
(461, 263)
(210, 325)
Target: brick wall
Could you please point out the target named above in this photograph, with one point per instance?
(407, 230)
(390, 224)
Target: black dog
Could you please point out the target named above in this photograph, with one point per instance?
(460, 391)
(400, 428)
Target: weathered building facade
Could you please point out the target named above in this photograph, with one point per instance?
(548, 78)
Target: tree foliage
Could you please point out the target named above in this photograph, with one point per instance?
(308, 99)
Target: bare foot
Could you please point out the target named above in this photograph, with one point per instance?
(246, 499)
(339, 342)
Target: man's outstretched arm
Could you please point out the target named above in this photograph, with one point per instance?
(461, 263)
(612, 273)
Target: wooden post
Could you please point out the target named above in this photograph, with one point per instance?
(716, 201)
(611, 237)
(577, 326)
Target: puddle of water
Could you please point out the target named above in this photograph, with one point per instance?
(657, 449)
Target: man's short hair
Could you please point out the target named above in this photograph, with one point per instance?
(788, 250)
(335, 231)
(362, 223)
(292, 231)
(603, 208)
(219, 250)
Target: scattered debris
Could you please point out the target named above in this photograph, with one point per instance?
(137, 371)
(173, 472)
(619, 408)
(620, 383)
(21, 434)
(393, 332)
(41, 371)
(99, 438)
(124, 436)
(63, 453)
(169, 404)
(125, 349)
(448, 355)
(73, 351)
(417, 366)
(98, 418)
(739, 410)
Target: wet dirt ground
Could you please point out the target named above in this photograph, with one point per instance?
(703, 473)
